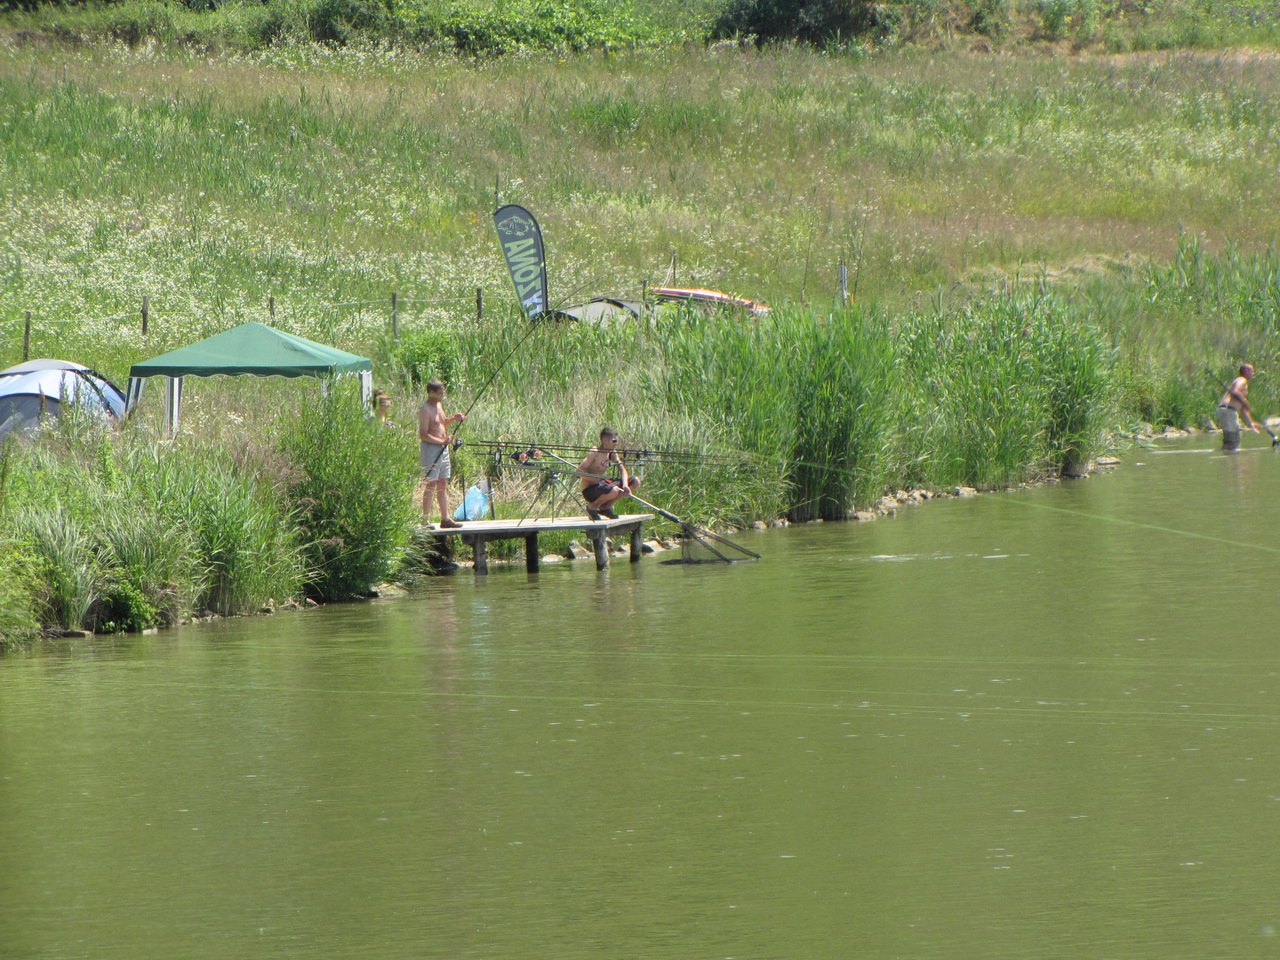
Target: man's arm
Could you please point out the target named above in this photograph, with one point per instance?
(1239, 388)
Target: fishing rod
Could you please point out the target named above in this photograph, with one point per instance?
(690, 529)
(534, 323)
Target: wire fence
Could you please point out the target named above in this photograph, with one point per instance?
(152, 318)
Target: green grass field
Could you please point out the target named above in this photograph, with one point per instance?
(329, 178)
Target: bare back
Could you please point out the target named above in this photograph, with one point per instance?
(1237, 395)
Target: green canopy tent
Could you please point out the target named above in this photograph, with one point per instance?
(251, 349)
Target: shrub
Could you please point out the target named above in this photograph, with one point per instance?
(337, 21)
(123, 606)
(426, 354)
(18, 576)
(65, 561)
(816, 22)
(991, 18)
(242, 530)
(1055, 16)
(155, 575)
(353, 495)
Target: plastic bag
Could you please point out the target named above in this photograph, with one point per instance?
(475, 504)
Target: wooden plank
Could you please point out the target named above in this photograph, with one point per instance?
(478, 533)
(497, 529)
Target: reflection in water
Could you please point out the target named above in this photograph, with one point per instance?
(1025, 725)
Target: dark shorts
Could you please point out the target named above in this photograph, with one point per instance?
(597, 490)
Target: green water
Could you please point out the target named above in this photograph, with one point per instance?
(1032, 725)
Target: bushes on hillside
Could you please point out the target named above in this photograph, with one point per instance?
(817, 22)
(424, 354)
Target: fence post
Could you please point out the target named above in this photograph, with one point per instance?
(146, 311)
(26, 338)
(479, 303)
(395, 315)
(271, 306)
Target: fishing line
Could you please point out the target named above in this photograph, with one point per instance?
(1146, 526)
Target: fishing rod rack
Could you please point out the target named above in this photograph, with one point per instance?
(523, 451)
(555, 465)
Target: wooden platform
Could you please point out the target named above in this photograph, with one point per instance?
(477, 533)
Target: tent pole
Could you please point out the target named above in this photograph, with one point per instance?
(172, 405)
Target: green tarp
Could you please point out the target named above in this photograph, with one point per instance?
(254, 349)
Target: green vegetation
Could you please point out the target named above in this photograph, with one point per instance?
(487, 27)
(1058, 221)
(351, 490)
(115, 531)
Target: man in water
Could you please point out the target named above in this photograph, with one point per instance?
(1233, 405)
(433, 451)
(602, 492)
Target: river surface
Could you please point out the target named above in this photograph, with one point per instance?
(1040, 724)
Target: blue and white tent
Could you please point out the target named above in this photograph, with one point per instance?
(39, 388)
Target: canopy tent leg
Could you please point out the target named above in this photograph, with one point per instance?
(366, 392)
(172, 405)
(134, 393)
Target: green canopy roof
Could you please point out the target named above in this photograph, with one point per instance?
(254, 349)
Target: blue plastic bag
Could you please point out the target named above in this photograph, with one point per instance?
(475, 504)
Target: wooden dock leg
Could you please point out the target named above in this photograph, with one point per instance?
(637, 545)
(601, 545)
(481, 555)
(531, 555)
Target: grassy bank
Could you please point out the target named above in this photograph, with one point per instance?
(1040, 248)
(328, 179)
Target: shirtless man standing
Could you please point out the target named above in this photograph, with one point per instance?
(601, 492)
(1233, 405)
(433, 451)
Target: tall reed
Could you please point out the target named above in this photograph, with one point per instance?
(352, 492)
(800, 391)
(20, 580)
(66, 561)
(156, 574)
(1001, 391)
(243, 530)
